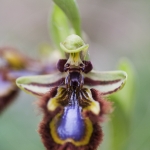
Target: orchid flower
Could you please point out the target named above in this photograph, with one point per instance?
(14, 64)
(73, 99)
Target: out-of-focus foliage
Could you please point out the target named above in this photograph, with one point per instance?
(59, 26)
(70, 8)
(124, 100)
(65, 19)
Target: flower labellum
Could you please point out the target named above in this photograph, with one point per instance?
(73, 100)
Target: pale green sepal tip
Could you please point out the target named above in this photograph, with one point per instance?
(83, 48)
(19, 84)
(23, 81)
(20, 81)
(124, 78)
(123, 74)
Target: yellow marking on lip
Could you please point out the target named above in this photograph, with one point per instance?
(54, 102)
(94, 105)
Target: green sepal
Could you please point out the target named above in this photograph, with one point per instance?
(107, 82)
(39, 85)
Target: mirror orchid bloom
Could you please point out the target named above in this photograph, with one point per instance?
(14, 64)
(73, 100)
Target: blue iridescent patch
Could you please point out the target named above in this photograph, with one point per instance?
(71, 124)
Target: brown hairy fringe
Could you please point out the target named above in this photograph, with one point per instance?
(42, 103)
(105, 105)
(44, 129)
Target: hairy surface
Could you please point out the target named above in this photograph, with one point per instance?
(105, 105)
(96, 136)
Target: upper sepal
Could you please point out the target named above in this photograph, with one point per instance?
(41, 84)
(106, 82)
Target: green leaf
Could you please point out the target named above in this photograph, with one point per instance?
(70, 9)
(123, 102)
(59, 26)
(120, 128)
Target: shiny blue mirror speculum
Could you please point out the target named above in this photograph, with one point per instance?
(73, 99)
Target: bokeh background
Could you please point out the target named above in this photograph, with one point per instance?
(115, 29)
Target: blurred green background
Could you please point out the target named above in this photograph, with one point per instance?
(115, 29)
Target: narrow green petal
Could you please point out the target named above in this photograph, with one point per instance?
(106, 82)
(39, 85)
